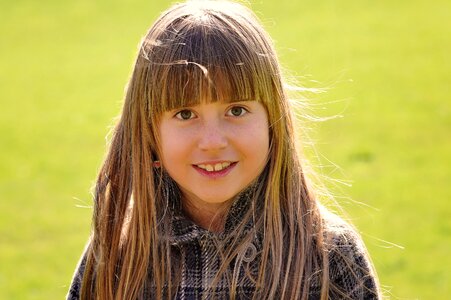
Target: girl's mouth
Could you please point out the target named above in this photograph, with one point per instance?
(215, 169)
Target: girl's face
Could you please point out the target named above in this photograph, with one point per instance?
(214, 150)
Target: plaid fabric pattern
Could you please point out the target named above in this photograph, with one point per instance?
(194, 248)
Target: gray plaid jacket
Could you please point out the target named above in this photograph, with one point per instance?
(195, 250)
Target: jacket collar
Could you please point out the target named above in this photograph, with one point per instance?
(183, 230)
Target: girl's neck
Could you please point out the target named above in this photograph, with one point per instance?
(210, 216)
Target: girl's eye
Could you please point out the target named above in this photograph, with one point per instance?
(185, 114)
(236, 111)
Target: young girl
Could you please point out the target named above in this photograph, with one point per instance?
(202, 194)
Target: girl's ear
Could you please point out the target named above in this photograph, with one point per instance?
(156, 162)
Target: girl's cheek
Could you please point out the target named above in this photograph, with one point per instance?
(187, 133)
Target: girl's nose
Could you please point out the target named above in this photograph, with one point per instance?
(212, 137)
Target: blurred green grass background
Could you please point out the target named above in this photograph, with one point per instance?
(386, 64)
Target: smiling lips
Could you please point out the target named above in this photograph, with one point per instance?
(217, 169)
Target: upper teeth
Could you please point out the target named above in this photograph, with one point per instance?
(215, 167)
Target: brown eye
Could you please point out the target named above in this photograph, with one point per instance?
(237, 111)
(185, 114)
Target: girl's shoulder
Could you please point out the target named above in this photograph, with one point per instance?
(75, 286)
(339, 234)
(350, 269)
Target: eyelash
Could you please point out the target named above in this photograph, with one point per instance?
(229, 113)
(243, 111)
(179, 114)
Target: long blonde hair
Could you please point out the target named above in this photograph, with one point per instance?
(194, 52)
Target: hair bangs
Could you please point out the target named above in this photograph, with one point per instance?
(203, 59)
